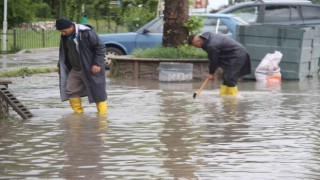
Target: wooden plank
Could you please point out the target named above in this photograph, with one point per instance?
(5, 82)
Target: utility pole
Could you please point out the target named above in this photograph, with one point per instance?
(82, 8)
(5, 27)
(159, 8)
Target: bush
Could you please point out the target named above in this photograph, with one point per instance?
(26, 71)
(194, 24)
(182, 52)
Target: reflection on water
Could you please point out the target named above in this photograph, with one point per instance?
(82, 144)
(158, 131)
(178, 139)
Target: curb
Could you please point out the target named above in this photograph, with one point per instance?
(39, 50)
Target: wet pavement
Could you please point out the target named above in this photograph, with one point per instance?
(32, 58)
(157, 130)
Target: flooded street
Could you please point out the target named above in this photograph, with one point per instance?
(157, 130)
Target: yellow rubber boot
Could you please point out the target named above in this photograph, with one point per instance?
(102, 107)
(232, 91)
(76, 105)
(223, 90)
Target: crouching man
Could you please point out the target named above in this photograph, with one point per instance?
(227, 54)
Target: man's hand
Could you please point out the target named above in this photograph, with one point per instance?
(211, 76)
(95, 69)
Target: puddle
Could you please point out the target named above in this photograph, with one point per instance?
(158, 131)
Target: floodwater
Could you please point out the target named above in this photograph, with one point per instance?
(158, 131)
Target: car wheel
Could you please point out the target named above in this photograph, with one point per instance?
(112, 51)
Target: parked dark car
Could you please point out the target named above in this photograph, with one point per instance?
(285, 12)
(150, 35)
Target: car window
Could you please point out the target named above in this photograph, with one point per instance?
(157, 27)
(249, 14)
(281, 13)
(310, 13)
(215, 25)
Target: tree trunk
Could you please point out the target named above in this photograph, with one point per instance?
(175, 15)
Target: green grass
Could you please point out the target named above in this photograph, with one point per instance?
(26, 71)
(183, 52)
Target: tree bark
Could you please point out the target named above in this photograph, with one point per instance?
(175, 15)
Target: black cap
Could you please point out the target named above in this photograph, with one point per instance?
(63, 23)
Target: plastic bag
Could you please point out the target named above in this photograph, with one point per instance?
(268, 71)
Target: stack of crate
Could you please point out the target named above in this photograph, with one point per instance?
(315, 57)
(294, 42)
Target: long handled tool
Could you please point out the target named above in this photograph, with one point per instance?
(201, 88)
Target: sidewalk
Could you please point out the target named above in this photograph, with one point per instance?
(31, 58)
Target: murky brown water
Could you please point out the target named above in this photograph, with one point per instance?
(158, 131)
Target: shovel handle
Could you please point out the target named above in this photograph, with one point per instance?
(202, 86)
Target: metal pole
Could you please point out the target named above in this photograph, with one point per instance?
(15, 40)
(217, 27)
(5, 27)
(43, 38)
(159, 8)
(82, 9)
